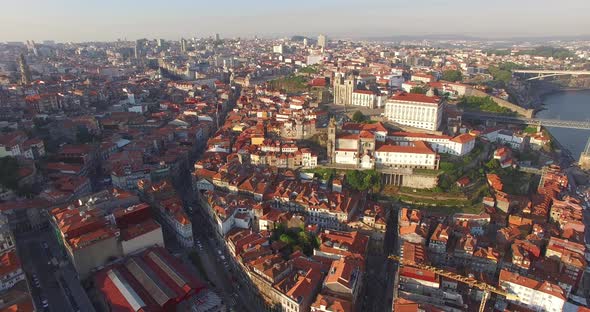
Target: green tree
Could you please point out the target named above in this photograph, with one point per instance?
(484, 104)
(452, 75)
(418, 90)
(358, 116)
(493, 165)
(363, 180)
(84, 136)
(546, 51)
(308, 70)
(287, 239)
(9, 173)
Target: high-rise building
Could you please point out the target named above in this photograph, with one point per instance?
(183, 44)
(24, 70)
(322, 40)
(278, 49)
(217, 38)
(137, 49)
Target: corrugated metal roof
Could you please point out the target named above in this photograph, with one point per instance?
(170, 271)
(150, 282)
(126, 290)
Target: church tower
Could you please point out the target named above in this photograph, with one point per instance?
(331, 146)
(350, 86)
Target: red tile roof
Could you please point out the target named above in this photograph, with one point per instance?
(415, 97)
(546, 287)
(9, 263)
(463, 138)
(416, 147)
(129, 286)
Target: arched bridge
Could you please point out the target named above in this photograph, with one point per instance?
(558, 123)
(550, 73)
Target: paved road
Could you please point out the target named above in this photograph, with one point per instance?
(60, 286)
(35, 261)
(376, 284)
(231, 284)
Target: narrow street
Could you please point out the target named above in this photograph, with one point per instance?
(60, 286)
(229, 283)
(381, 271)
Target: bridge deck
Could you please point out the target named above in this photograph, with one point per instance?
(558, 123)
(547, 71)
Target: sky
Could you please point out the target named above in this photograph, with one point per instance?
(92, 20)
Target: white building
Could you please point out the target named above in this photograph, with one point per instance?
(532, 294)
(322, 41)
(127, 178)
(7, 241)
(415, 110)
(173, 216)
(503, 136)
(459, 145)
(407, 86)
(366, 98)
(12, 271)
(308, 158)
(413, 155)
(422, 78)
(313, 59)
(277, 49)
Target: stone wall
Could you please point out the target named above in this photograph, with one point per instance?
(420, 181)
(528, 113)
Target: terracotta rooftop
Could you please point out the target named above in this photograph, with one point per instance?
(414, 97)
(546, 287)
(416, 147)
(9, 263)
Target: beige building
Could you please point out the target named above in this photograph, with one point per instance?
(322, 41)
(94, 252)
(343, 89)
(91, 239)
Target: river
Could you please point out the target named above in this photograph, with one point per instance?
(570, 105)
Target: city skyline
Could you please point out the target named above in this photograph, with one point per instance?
(327, 156)
(66, 20)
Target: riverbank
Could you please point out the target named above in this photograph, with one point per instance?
(566, 158)
(549, 92)
(532, 94)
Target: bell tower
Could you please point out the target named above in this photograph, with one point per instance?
(331, 146)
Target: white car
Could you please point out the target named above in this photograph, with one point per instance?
(36, 281)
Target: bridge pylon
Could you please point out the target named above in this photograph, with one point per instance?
(584, 161)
